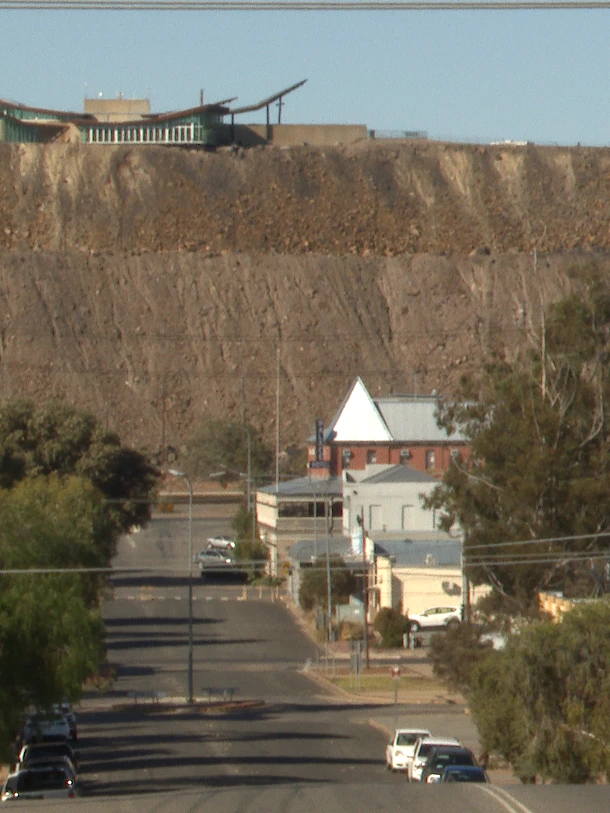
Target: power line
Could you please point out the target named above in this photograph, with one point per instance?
(300, 5)
(541, 541)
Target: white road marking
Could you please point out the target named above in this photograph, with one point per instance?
(505, 799)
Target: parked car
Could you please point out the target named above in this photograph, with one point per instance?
(35, 750)
(50, 782)
(38, 761)
(464, 773)
(66, 709)
(222, 542)
(216, 561)
(423, 747)
(442, 756)
(435, 617)
(46, 724)
(399, 751)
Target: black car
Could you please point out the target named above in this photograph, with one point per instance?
(464, 773)
(443, 756)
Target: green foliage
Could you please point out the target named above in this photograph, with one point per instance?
(69, 490)
(314, 585)
(455, 653)
(539, 475)
(391, 624)
(249, 549)
(221, 448)
(51, 632)
(42, 439)
(543, 702)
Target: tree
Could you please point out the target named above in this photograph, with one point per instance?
(51, 631)
(392, 625)
(221, 447)
(249, 549)
(41, 439)
(543, 702)
(532, 502)
(314, 586)
(456, 652)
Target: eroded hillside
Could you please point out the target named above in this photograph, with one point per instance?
(155, 286)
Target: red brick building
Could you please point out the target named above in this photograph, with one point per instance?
(391, 430)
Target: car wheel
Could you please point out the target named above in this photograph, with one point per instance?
(414, 626)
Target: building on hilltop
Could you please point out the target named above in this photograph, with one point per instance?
(130, 121)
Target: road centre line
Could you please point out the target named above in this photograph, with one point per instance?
(505, 799)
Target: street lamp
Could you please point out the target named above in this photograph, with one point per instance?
(177, 473)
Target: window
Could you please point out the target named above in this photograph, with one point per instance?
(371, 456)
(430, 458)
(346, 458)
(405, 454)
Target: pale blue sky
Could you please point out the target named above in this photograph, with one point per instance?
(459, 75)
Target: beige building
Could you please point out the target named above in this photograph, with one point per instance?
(413, 575)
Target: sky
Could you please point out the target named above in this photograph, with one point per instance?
(475, 76)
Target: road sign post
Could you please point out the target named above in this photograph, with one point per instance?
(395, 671)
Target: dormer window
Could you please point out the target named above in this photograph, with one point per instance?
(371, 456)
(346, 458)
(405, 455)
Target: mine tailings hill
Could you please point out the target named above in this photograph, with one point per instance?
(158, 286)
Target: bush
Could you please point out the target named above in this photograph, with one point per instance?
(392, 625)
(351, 631)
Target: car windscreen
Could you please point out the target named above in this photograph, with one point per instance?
(442, 760)
(48, 750)
(406, 739)
(424, 749)
(41, 779)
(458, 775)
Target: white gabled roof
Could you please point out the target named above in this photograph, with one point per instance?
(358, 418)
(397, 418)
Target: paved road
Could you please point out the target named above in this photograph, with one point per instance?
(298, 749)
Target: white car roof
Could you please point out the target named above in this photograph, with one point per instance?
(423, 731)
(440, 741)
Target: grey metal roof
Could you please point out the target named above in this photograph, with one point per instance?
(407, 552)
(412, 419)
(422, 552)
(408, 418)
(308, 549)
(400, 474)
(307, 487)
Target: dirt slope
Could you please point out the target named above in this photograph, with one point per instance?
(155, 286)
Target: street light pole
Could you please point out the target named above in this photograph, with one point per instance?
(189, 698)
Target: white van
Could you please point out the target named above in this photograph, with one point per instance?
(421, 753)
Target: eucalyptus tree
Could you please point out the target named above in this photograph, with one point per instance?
(532, 500)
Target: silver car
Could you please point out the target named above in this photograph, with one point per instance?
(213, 560)
(48, 782)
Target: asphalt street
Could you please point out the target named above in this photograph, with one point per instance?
(288, 745)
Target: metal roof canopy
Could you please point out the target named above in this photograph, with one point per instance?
(267, 102)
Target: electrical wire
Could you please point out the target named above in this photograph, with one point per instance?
(301, 5)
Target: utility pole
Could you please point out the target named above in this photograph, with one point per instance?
(365, 593)
(329, 588)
